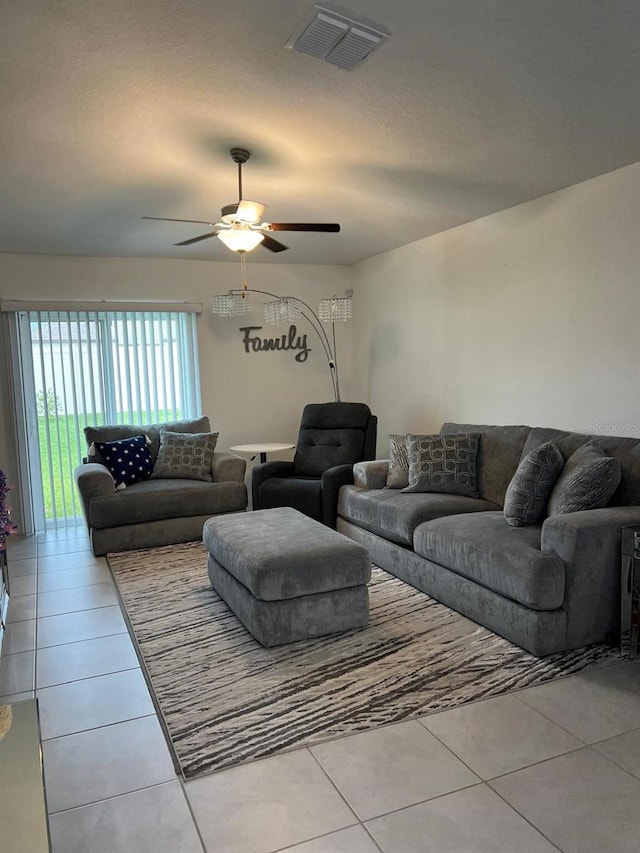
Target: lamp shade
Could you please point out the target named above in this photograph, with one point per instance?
(240, 239)
(335, 309)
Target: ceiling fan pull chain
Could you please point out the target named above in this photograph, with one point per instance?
(243, 270)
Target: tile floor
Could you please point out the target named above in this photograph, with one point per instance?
(550, 768)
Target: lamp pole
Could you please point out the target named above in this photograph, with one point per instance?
(312, 318)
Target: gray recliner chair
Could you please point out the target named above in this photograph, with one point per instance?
(332, 438)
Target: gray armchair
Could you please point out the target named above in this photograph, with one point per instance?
(158, 511)
(332, 438)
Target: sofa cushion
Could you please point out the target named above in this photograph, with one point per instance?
(499, 453)
(588, 480)
(443, 463)
(626, 451)
(114, 432)
(394, 515)
(185, 455)
(398, 473)
(158, 500)
(505, 559)
(303, 493)
(530, 487)
(129, 460)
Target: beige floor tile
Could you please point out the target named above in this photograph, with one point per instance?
(593, 705)
(21, 607)
(475, 820)
(93, 702)
(69, 578)
(355, 839)
(83, 625)
(22, 568)
(105, 762)
(17, 697)
(499, 735)
(582, 802)
(85, 659)
(392, 767)
(155, 820)
(23, 585)
(624, 750)
(17, 673)
(77, 598)
(73, 560)
(266, 805)
(20, 637)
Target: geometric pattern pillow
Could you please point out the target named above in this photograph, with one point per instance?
(398, 474)
(128, 459)
(443, 463)
(185, 455)
(588, 481)
(529, 489)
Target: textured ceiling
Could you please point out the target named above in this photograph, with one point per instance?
(117, 109)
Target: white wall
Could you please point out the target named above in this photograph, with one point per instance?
(248, 397)
(531, 316)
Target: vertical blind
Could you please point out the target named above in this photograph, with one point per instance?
(99, 367)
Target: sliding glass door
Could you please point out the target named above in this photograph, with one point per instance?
(84, 368)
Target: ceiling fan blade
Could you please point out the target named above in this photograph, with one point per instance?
(164, 219)
(197, 239)
(273, 245)
(304, 226)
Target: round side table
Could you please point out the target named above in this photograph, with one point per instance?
(262, 449)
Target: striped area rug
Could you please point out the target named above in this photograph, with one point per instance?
(227, 700)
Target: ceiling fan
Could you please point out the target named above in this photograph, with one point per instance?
(240, 228)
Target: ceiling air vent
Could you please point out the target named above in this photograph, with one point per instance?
(339, 40)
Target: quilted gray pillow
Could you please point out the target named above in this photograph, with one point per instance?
(185, 455)
(529, 489)
(398, 474)
(588, 481)
(443, 463)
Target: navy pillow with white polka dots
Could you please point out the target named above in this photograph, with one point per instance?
(129, 459)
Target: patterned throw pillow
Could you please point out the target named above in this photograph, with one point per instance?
(443, 463)
(588, 481)
(398, 474)
(129, 459)
(529, 489)
(185, 455)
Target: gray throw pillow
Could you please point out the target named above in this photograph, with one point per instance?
(185, 455)
(443, 463)
(530, 487)
(398, 474)
(588, 481)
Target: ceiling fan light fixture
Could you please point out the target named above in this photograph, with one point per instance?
(242, 239)
(245, 211)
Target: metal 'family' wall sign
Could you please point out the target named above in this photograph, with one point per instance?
(291, 340)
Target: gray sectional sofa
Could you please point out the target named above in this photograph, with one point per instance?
(159, 511)
(547, 587)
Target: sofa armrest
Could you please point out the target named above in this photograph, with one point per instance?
(588, 543)
(227, 467)
(260, 473)
(332, 481)
(93, 481)
(371, 475)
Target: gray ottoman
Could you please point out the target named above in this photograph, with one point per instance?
(285, 576)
